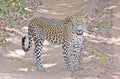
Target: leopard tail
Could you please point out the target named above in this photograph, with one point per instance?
(29, 45)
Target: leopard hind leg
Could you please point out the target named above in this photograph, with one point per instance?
(66, 58)
(38, 53)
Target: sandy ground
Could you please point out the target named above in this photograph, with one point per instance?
(17, 64)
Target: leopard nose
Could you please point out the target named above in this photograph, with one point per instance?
(79, 32)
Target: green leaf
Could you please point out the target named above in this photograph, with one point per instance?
(4, 39)
(22, 7)
(97, 55)
(102, 59)
(11, 24)
(1, 15)
(2, 2)
(9, 1)
(3, 8)
(102, 12)
(99, 24)
(15, 59)
(92, 50)
(109, 25)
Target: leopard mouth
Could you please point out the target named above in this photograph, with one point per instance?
(79, 32)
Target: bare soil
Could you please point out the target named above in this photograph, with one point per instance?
(17, 64)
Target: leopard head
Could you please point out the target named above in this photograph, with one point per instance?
(78, 23)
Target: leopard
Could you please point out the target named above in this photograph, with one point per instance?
(62, 32)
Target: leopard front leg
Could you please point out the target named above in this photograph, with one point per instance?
(38, 53)
(77, 49)
(66, 58)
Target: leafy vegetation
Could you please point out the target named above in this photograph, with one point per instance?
(11, 24)
(11, 5)
(22, 7)
(109, 25)
(102, 12)
(14, 13)
(99, 24)
(97, 55)
(3, 39)
(7, 8)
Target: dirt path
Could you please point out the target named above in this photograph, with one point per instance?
(16, 64)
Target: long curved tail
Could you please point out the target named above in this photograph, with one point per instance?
(29, 45)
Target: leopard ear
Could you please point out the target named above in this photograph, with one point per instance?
(67, 19)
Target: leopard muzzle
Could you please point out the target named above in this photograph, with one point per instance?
(79, 32)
